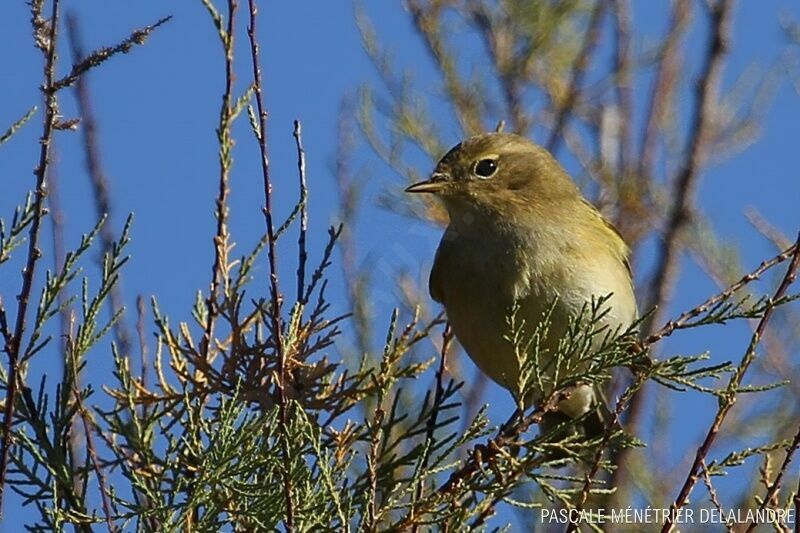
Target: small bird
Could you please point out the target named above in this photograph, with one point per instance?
(521, 234)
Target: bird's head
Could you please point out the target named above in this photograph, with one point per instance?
(497, 171)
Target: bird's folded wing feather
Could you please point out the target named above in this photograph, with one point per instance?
(436, 281)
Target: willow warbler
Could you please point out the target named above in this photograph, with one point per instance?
(521, 234)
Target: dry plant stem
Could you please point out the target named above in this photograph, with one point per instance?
(622, 60)
(447, 338)
(97, 57)
(701, 131)
(13, 347)
(219, 268)
(500, 52)
(426, 22)
(100, 187)
(92, 451)
(141, 313)
(57, 225)
(683, 190)
(727, 401)
(564, 107)
(712, 492)
(271, 254)
(348, 202)
(664, 85)
(302, 253)
(679, 323)
(776, 485)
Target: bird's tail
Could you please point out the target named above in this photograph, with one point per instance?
(557, 426)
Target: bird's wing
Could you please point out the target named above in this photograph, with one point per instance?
(436, 281)
(621, 247)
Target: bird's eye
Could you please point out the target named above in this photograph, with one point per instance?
(485, 168)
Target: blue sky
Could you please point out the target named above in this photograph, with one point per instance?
(157, 108)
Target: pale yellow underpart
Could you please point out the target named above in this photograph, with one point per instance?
(485, 263)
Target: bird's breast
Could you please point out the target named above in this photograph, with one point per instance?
(481, 280)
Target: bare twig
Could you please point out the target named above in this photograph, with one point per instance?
(141, 312)
(96, 58)
(275, 311)
(13, 347)
(426, 20)
(621, 10)
(90, 447)
(727, 401)
(679, 323)
(773, 489)
(683, 190)
(701, 131)
(565, 106)
(302, 254)
(664, 85)
(712, 492)
(100, 186)
(438, 397)
(225, 138)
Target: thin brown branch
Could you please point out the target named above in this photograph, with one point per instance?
(141, 313)
(701, 131)
(579, 67)
(684, 319)
(772, 492)
(727, 401)
(225, 139)
(57, 225)
(683, 190)
(664, 85)
(90, 447)
(712, 492)
(426, 20)
(621, 10)
(99, 181)
(98, 57)
(302, 253)
(13, 347)
(498, 39)
(438, 397)
(275, 298)
(4, 331)
(348, 188)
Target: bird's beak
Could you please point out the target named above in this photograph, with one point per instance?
(436, 183)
